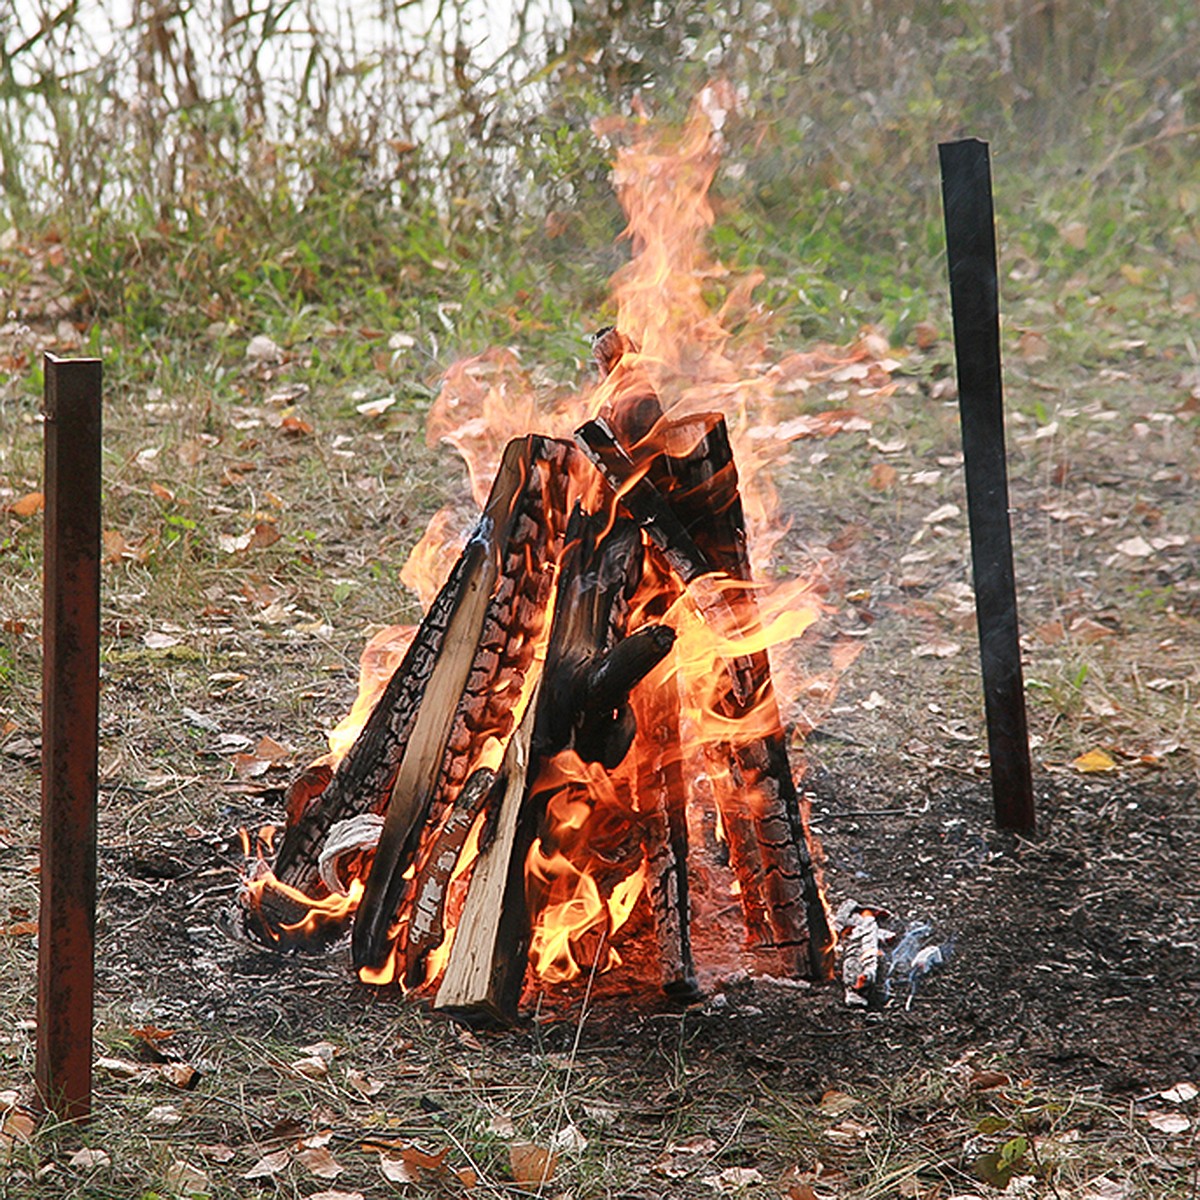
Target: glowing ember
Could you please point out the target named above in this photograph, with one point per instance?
(603, 793)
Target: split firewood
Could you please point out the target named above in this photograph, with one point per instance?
(662, 795)
(479, 627)
(426, 926)
(522, 527)
(755, 789)
(581, 704)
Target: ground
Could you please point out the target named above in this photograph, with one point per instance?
(1067, 1007)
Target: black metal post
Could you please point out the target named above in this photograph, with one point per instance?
(70, 712)
(975, 302)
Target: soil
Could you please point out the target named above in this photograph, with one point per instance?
(1074, 952)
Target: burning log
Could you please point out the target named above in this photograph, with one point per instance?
(690, 500)
(480, 633)
(662, 794)
(581, 706)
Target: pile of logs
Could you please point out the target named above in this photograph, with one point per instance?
(533, 650)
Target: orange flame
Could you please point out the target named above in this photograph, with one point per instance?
(587, 871)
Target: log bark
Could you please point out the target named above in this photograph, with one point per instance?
(705, 542)
(460, 689)
(522, 523)
(663, 795)
(581, 704)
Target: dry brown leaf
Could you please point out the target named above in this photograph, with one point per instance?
(27, 505)
(938, 648)
(314, 1067)
(1135, 547)
(162, 494)
(120, 1068)
(362, 1084)
(87, 1159)
(531, 1165)
(1167, 1122)
(1033, 346)
(293, 426)
(396, 1170)
(337, 1196)
(269, 1165)
(318, 1161)
(882, 477)
(182, 1075)
(275, 752)
(114, 545)
(19, 929)
(262, 535)
(834, 1103)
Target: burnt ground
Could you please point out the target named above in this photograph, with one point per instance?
(1074, 951)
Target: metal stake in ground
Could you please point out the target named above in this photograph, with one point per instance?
(974, 299)
(70, 709)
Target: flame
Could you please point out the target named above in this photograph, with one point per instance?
(587, 871)
(380, 658)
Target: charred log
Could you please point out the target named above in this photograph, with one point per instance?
(588, 662)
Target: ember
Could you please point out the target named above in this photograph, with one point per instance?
(581, 750)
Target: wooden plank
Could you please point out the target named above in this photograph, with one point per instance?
(70, 736)
(975, 302)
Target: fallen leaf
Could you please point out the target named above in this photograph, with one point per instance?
(1094, 762)
(269, 1165)
(89, 1159)
(362, 1084)
(1166, 1122)
(182, 1075)
(165, 495)
(337, 1196)
(834, 1103)
(17, 1126)
(531, 1164)
(882, 477)
(319, 1162)
(114, 545)
(1033, 346)
(569, 1140)
(937, 648)
(733, 1179)
(157, 640)
(314, 1067)
(19, 929)
(27, 505)
(1135, 547)
(946, 512)
(164, 1114)
(262, 349)
(119, 1068)
(293, 426)
(1181, 1093)
(396, 1170)
(376, 408)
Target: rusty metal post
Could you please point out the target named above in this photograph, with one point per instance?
(70, 735)
(975, 304)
